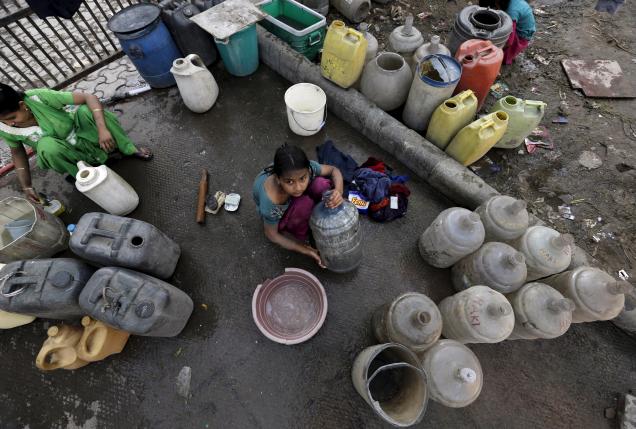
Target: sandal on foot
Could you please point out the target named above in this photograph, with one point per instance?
(214, 202)
(143, 153)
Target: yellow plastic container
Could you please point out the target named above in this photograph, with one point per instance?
(474, 140)
(13, 320)
(343, 54)
(525, 116)
(100, 340)
(58, 351)
(450, 117)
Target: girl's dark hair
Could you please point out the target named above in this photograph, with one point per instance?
(288, 158)
(9, 99)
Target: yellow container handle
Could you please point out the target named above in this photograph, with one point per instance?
(462, 96)
(539, 105)
(356, 34)
(488, 123)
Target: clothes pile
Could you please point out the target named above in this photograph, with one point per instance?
(386, 193)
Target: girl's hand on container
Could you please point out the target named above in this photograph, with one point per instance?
(334, 200)
(313, 253)
(106, 141)
(31, 195)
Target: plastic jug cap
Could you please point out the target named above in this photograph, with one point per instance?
(435, 40)
(86, 320)
(407, 29)
(517, 207)
(562, 241)
(467, 375)
(53, 331)
(497, 311)
(422, 317)
(145, 310)
(561, 305)
(62, 279)
(469, 222)
(364, 27)
(618, 287)
(514, 259)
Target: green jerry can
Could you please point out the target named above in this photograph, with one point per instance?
(475, 139)
(524, 116)
(450, 117)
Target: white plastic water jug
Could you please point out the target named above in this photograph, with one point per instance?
(196, 84)
(496, 265)
(546, 250)
(106, 188)
(412, 319)
(453, 374)
(455, 233)
(540, 312)
(477, 315)
(596, 294)
(504, 218)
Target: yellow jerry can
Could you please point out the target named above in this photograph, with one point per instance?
(99, 340)
(450, 117)
(58, 351)
(474, 140)
(343, 54)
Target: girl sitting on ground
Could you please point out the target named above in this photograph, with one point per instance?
(523, 25)
(285, 194)
(63, 128)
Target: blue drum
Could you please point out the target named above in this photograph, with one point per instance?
(147, 42)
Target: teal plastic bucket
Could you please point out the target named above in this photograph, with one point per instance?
(239, 52)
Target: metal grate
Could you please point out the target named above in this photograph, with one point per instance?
(55, 52)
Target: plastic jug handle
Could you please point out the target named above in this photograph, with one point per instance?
(18, 291)
(489, 123)
(485, 51)
(195, 60)
(354, 34)
(465, 95)
(538, 105)
(82, 165)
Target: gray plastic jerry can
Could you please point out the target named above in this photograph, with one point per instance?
(136, 303)
(47, 288)
(111, 240)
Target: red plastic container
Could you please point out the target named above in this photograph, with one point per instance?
(481, 61)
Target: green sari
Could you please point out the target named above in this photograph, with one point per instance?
(65, 134)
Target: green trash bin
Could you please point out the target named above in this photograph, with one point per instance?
(239, 52)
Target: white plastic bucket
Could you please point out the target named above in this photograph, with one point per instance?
(306, 108)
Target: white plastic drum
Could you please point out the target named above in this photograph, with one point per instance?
(306, 108)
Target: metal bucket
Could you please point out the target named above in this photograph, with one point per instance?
(45, 236)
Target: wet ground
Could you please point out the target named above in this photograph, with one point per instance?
(241, 379)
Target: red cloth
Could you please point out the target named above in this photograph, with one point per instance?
(374, 164)
(514, 46)
(296, 218)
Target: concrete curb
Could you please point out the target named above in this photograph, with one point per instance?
(429, 162)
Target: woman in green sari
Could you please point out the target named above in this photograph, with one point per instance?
(63, 128)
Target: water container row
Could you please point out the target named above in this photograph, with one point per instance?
(67, 288)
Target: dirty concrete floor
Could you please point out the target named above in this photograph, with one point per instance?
(239, 378)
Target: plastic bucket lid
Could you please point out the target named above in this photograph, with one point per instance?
(134, 18)
(291, 308)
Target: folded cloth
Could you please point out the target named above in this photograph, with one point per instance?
(382, 212)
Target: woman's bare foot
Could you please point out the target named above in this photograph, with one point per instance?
(143, 153)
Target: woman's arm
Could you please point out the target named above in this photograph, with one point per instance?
(271, 232)
(338, 184)
(106, 141)
(21, 162)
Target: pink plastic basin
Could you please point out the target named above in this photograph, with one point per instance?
(290, 308)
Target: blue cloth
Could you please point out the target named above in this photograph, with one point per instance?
(272, 213)
(372, 184)
(609, 6)
(329, 154)
(521, 12)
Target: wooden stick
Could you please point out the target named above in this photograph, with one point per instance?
(203, 192)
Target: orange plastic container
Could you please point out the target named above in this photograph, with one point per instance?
(481, 61)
